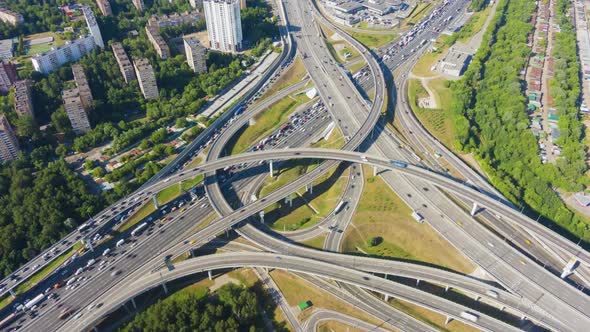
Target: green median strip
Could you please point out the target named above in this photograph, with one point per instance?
(40, 275)
(165, 196)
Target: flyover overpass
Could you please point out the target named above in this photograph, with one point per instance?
(119, 296)
(541, 282)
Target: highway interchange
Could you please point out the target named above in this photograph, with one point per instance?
(531, 290)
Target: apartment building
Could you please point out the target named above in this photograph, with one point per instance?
(146, 77)
(9, 16)
(195, 54)
(7, 76)
(83, 87)
(224, 24)
(175, 19)
(93, 26)
(159, 44)
(58, 56)
(125, 65)
(105, 7)
(8, 142)
(23, 99)
(75, 111)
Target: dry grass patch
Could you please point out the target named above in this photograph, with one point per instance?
(381, 213)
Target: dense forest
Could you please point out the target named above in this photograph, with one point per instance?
(38, 205)
(491, 121)
(231, 308)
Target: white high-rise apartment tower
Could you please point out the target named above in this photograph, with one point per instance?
(224, 24)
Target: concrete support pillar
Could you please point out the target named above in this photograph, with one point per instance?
(374, 170)
(270, 169)
(386, 297)
(261, 216)
(386, 276)
(12, 293)
(155, 200)
(446, 288)
(291, 200)
(474, 209)
(133, 302)
(524, 317)
(502, 308)
(477, 297)
(210, 275)
(448, 320)
(417, 282)
(165, 288)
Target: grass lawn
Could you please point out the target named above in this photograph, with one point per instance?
(439, 121)
(188, 184)
(356, 66)
(430, 317)
(142, 213)
(372, 40)
(297, 290)
(326, 194)
(335, 141)
(267, 121)
(381, 213)
(292, 76)
(419, 11)
(195, 162)
(317, 242)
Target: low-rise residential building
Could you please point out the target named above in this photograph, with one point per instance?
(105, 7)
(455, 62)
(7, 76)
(9, 16)
(175, 19)
(23, 99)
(8, 142)
(58, 56)
(138, 4)
(75, 111)
(160, 45)
(6, 49)
(146, 78)
(83, 87)
(125, 65)
(195, 54)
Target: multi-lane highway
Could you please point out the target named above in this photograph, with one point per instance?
(546, 299)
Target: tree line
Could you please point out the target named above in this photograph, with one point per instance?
(491, 120)
(230, 308)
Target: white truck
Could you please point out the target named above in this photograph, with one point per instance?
(106, 252)
(418, 217)
(34, 301)
(469, 316)
(120, 243)
(90, 262)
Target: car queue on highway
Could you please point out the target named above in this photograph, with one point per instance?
(81, 275)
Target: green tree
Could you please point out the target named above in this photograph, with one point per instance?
(181, 123)
(159, 136)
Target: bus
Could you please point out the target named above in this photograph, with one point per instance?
(139, 229)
